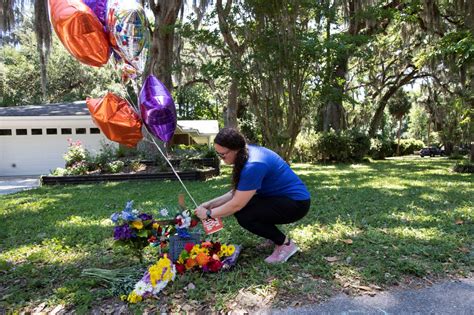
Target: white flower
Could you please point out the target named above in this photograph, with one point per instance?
(164, 212)
(141, 287)
(160, 285)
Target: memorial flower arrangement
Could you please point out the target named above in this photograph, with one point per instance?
(155, 279)
(207, 257)
(137, 229)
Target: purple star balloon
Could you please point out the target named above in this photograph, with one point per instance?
(157, 109)
(99, 7)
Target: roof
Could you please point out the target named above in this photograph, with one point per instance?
(197, 127)
(203, 127)
(60, 109)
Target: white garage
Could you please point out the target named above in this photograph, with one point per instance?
(34, 138)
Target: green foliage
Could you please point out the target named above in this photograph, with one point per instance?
(68, 80)
(464, 167)
(380, 148)
(304, 147)
(194, 102)
(76, 153)
(408, 146)
(341, 147)
(115, 167)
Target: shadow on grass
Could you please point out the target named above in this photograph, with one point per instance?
(400, 216)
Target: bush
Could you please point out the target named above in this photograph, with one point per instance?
(114, 167)
(464, 167)
(359, 145)
(341, 147)
(380, 148)
(304, 147)
(408, 146)
(75, 154)
(79, 168)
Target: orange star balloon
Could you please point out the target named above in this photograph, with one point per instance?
(80, 31)
(117, 120)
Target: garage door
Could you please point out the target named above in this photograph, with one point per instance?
(41, 150)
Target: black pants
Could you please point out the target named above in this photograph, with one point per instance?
(261, 214)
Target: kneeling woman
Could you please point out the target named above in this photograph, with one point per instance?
(265, 192)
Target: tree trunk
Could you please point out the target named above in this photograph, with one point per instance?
(377, 118)
(161, 50)
(236, 51)
(472, 152)
(230, 116)
(398, 134)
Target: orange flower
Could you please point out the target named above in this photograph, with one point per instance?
(202, 259)
(190, 263)
(206, 244)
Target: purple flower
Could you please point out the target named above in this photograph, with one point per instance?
(123, 232)
(145, 216)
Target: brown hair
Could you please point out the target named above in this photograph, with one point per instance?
(231, 138)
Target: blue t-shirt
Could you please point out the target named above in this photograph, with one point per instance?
(266, 172)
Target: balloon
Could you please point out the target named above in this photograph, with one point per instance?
(80, 31)
(129, 36)
(99, 7)
(117, 120)
(127, 72)
(157, 109)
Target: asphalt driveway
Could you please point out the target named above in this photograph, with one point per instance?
(13, 184)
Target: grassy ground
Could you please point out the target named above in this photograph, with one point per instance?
(370, 226)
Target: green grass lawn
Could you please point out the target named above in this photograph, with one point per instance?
(370, 226)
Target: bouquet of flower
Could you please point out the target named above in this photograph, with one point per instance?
(207, 256)
(138, 230)
(153, 281)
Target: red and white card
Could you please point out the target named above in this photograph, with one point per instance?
(212, 225)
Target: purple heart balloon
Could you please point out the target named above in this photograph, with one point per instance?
(99, 7)
(157, 109)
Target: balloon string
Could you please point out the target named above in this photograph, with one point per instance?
(137, 109)
(174, 171)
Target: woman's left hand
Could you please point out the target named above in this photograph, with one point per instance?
(201, 212)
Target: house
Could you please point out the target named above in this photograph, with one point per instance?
(34, 138)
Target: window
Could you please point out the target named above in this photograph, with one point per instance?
(21, 132)
(66, 131)
(94, 131)
(51, 131)
(5, 132)
(80, 131)
(36, 132)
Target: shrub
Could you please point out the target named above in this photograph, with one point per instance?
(341, 147)
(75, 154)
(114, 167)
(60, 172)
(79, 168)
(304, 147)
(380, 148)
(408, 146)
(359, 145)
(464, 167)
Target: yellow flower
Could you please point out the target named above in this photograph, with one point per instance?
(230, 249)
(134, 298)
(123, 297)
(137, 224)
(161, 271)
(223, 251)
(156, 226)
(195, 250)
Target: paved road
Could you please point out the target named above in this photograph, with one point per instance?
(10, 185)
(447, 298)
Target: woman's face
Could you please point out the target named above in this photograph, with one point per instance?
(227, 155)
